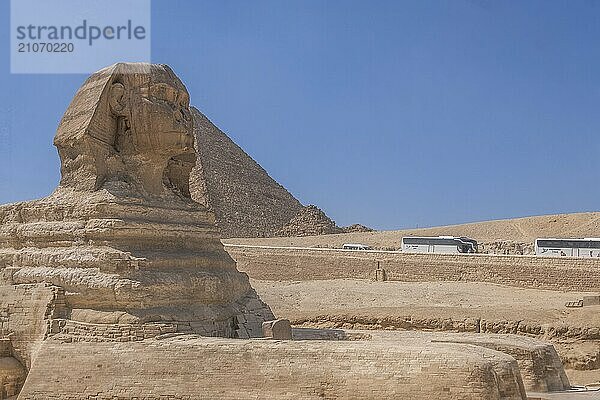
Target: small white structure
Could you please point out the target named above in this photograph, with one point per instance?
(439, 244)
(552, 247)
(356, 246)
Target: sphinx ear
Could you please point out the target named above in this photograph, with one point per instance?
(117, 100)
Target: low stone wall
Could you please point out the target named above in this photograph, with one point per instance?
(189, 367)
(439, 322)
(77, 331)
(566, 273)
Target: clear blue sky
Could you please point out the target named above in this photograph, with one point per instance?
(387, 113)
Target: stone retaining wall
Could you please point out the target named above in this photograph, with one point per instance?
(566, 273)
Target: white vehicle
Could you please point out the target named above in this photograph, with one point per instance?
(439, 244)
(356, 246)
(586, 247)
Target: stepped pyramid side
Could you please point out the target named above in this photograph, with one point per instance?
(246, 201)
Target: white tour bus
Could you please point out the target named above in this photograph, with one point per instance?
(356, 246)
(439, 244)
(586, 247)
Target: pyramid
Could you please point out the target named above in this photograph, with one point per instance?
(246, 201)
(310, 221)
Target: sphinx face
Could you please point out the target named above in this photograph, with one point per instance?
(138, 129)
(161, 119)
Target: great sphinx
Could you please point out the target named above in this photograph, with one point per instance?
(120, 238)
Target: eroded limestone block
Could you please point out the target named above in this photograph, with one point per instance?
(26, 314)
(278, 329)
(540, 365)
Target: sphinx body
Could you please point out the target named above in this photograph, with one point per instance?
(120, 236)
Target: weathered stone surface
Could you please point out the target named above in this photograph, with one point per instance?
(539, 363)
(279, 329)
(26, 315)
(211, 368)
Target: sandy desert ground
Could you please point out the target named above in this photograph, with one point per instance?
(302, 299)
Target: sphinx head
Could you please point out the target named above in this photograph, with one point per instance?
(128, 126)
